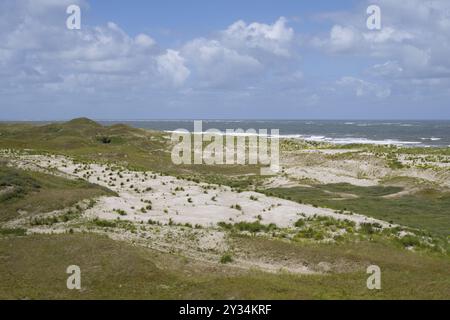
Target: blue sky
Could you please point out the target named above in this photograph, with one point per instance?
(190, 19)
(230, 59)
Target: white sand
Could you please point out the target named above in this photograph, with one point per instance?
(197, 204)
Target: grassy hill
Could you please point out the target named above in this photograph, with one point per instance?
(34, 267)
(32, 192)
(139, 149)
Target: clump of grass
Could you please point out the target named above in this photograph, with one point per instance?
(226, 258)
(21, 183)
(253, 227)
(237, 207)
(91, 204)
(13, 232)
(311, 233)
(120, 212)
(300, 223)
(369, 228)
(105, 140)
(410, 241)
(47, 221)
(152, 222)
(105, 223)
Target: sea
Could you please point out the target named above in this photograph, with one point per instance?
(381, 132)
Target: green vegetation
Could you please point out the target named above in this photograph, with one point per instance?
(226, 258)
(137, 149)
(48, 221)
(428, 209)
(34, 267)
(12, 232)
(253, 227)
(105, 223)
(33, 192)
(120, 212)
(320, 228)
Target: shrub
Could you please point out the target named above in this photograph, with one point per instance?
(300, 223)
(252, 227)
(13, 232)
(226, 258)
(150, 221)
(410, 241)
(47, 221)
(237, 207)
(120, 212)
(368, 228)
(105, 140)
(105, 223)
(310, 233)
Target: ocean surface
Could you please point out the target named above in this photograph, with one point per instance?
(402, 133)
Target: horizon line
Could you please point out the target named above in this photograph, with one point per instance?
(221, 119)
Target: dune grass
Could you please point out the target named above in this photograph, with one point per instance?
(428, 209)
(34, 267)
(34, 192)
(138, 149)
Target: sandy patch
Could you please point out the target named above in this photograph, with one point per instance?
(165, 199)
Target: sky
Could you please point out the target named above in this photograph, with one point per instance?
(199, 59)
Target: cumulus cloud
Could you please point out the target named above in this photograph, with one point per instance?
(341, 39)
(171, 66)
(274, 38)
(414, 36)
(240, 55)
(362, 88)
(248, 61)
(216, 65)
(38, 53)
(36, 48)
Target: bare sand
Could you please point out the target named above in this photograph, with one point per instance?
(150, 196)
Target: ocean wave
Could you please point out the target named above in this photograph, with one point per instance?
(344, 141)
(325, 139)
(432, 139)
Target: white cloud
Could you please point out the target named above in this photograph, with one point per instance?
(171, 66)
(144, 41)
(37, 48)
(275, 38)
(343, 38)
(216, 65)
(413, 34)
(362, 88)
(245, 60)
